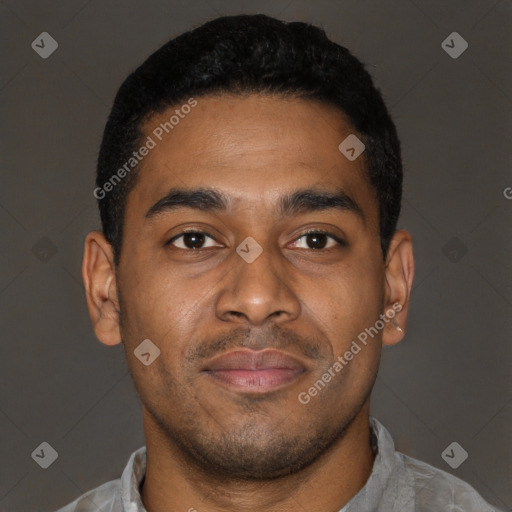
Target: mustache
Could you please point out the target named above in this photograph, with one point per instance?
(276, 338)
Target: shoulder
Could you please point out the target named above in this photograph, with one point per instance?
(110, 496)
(435, 489)
(96, 499)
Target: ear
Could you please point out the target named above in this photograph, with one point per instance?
(98, 273)
(399, 275)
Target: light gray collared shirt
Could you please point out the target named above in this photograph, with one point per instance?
(397, 483)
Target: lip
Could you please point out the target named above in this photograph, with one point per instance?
(254, 371)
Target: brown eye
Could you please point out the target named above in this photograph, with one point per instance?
(191, 240)
(318, 240)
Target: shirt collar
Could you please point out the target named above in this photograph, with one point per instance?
(133, 475)
(381, 478)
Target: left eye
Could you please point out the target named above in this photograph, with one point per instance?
(319, 240)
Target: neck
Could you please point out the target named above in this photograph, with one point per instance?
(172, 485)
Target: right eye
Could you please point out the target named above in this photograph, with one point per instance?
(192, 240)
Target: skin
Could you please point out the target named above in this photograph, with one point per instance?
(216, 449)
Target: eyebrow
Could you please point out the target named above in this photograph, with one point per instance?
(294, 203)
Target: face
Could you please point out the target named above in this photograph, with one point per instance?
(251, 258)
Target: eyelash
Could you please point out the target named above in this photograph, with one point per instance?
(339, 241)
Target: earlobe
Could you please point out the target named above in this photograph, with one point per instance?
(98, 273)
(399, 275)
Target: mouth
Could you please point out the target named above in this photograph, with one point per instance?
(254, 372)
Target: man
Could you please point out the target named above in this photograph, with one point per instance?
(249, 184)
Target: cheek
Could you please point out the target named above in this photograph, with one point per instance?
(164, 308)
(157, 310)
(349, 301)
(147, 303)
(345, 307)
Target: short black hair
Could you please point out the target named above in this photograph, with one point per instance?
(249, 54)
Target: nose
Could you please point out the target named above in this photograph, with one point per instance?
(254, 292)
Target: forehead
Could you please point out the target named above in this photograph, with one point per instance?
(253, 148)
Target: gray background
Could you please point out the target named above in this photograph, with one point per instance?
(449, 380)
